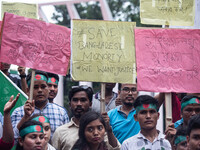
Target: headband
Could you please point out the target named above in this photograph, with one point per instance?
(180, 139)
(41, 119)
(190, 101)
(145, 106)
(38, 77)
(52, 80)
(30, 129)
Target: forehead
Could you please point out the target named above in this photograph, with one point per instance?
(94, 123)
(195, 132)
(52, 83)
(35, 134)
(40, 82)
(80, 94)
(129, 85)
(192, 106)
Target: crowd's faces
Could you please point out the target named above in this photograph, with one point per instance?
(80, 104)
(194, 140)
(189, 111)
(40, 92)
(33, 141)
(94, 132)
(181, 146)
(53, 90)
(47, 131)
(128, 94)
(147, 118)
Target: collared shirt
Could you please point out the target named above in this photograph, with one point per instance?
(56, 114)
(123, 126)
(96, 102)
(139, 142)
(66, 136)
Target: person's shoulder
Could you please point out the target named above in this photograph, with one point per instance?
(56, 106)
(113, 111)
(132, 140)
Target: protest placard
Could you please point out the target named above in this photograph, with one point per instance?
(103, 51)
(167, 12)
(20, 9)
(8, 88)
(35, 44)
(168, 60)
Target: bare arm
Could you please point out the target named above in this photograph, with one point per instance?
(8, 135)
(111, 137)
(22, 73)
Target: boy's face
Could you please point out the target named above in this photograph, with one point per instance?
(194, 140)
(147, 118)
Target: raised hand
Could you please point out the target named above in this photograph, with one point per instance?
(11, 103)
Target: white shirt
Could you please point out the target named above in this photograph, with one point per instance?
(139, 142)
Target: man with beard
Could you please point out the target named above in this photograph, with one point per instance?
(80, 102)
(121, 118)
(53, 86)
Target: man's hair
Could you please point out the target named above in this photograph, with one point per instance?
(28, 78)
(194, 123)
(188, 97)
(145, 99)
(50, 75)
(76, 89)
(181, 132)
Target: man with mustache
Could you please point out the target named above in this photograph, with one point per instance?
(80, 102)
(53, 86)
(56, 114)
(121, 118)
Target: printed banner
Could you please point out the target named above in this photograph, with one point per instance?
(167, 12)
(7, 89)
(168, 60)
(35, 44)
(20, 9)
(103, 51)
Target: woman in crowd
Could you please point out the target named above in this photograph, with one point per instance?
(46, 128)
(92, 129)
(31, 136)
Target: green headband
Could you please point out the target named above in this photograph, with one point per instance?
(180, 139)
(191, 101)
(30, 129)
(145, 106)
(38, 77)
(41, 119)
(52, 80)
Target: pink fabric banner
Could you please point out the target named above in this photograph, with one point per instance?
(35, 44)
(168, 60)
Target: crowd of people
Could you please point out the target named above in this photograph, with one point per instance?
(128, 123)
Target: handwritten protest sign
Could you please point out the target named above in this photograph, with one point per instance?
(35, 44)
(167, 12)
(168, 60)
(103, 51)
(20, 9)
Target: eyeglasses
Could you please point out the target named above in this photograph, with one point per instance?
(127, 90)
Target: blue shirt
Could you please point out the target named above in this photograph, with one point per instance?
(177, 123)
(123, 126)
(56, 114)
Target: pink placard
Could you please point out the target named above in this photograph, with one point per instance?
(168, 60)
(35, 44)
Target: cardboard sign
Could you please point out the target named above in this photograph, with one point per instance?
(103, 51)
(168, 60)
(20, 9)
(35, 44)
(167, 12)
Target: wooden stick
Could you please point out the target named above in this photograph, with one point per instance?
(102, 106)
(32, 84)
(168, 109)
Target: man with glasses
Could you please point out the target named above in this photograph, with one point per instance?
(121, 118)
(65, 136)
